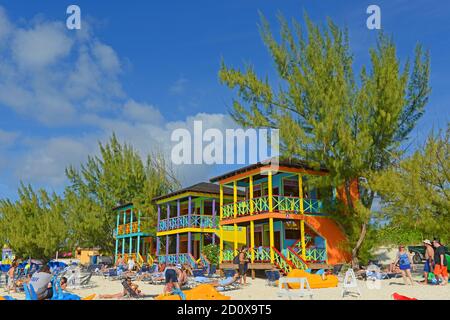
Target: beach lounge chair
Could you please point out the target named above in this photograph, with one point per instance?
(229, 272)
(156, 278)
(85, 281)
(212, 271)
(225, 284)
(130, 292)
(198, 272)
(272, 276)
(30, 294)
(112, 274)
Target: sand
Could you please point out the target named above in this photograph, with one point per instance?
(257, 289)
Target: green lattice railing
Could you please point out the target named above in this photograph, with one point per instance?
(228, 211)
(281, 262)
(286, 204)
(180, 258)
(296, 260)
(279, 204)
(316, 254)
(227, 255)
(262, 254)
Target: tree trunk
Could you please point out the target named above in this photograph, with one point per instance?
(362, 234)
(355, 251)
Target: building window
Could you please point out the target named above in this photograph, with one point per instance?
(290, 187)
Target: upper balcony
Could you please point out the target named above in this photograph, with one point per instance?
(186, 221)
(128, 228)
(280, 204)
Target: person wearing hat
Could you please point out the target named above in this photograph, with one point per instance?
(429, 256)
(440, 262)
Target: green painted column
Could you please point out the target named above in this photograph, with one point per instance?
(138, 237)
(117, 237)
(123, 237)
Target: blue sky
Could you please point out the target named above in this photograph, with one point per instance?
(143, 68)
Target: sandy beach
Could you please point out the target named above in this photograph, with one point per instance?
(257, 289)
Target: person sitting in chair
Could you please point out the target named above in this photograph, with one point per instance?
(134, 287)
(226, 281)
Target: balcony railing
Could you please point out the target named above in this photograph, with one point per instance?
(128, 228)
(316, 254)
(227, 255)
(195, 221)
(180, 258)
(279, 204)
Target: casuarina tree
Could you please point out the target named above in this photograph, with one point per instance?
(353, 123)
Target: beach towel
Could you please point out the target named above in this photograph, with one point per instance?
(202, 279)
(180, 293)
(397, 296)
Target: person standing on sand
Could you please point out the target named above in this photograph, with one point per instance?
(11, 283)
(405, 262)
(243, 264)
(440, 263)
(429, 256)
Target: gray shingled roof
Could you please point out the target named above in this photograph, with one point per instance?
(202, 187)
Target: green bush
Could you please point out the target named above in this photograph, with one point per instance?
(212, 252)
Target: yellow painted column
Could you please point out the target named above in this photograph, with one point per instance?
(252, 223)
(269, 182)
(302, 211)
(271, 240)
(235, 198)
(235, 215)
(235, 238)
(271, 232)
(302, 231)
(251, 195)
(300, 193)
(220, 219)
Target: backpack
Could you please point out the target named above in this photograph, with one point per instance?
(236, 259)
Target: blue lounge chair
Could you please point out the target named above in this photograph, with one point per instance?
(272, 276)
(30, 294)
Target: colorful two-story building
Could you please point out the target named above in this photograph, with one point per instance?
(131, 239)
(188, 220)
(284, 218)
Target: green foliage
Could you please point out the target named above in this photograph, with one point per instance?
(35, 224)
(212, 253)
(38, 224)
(326, 115)
(115, 177)
(416, 192)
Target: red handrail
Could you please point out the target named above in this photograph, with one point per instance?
(295, 254)
(284, 258)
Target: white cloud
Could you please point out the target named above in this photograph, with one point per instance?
(141, 112)
(179, 87)
(41, 45)
(7, 138)
(5, 25)
(107, 57)
(72, 80)
(46, 160)
(53, 76)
